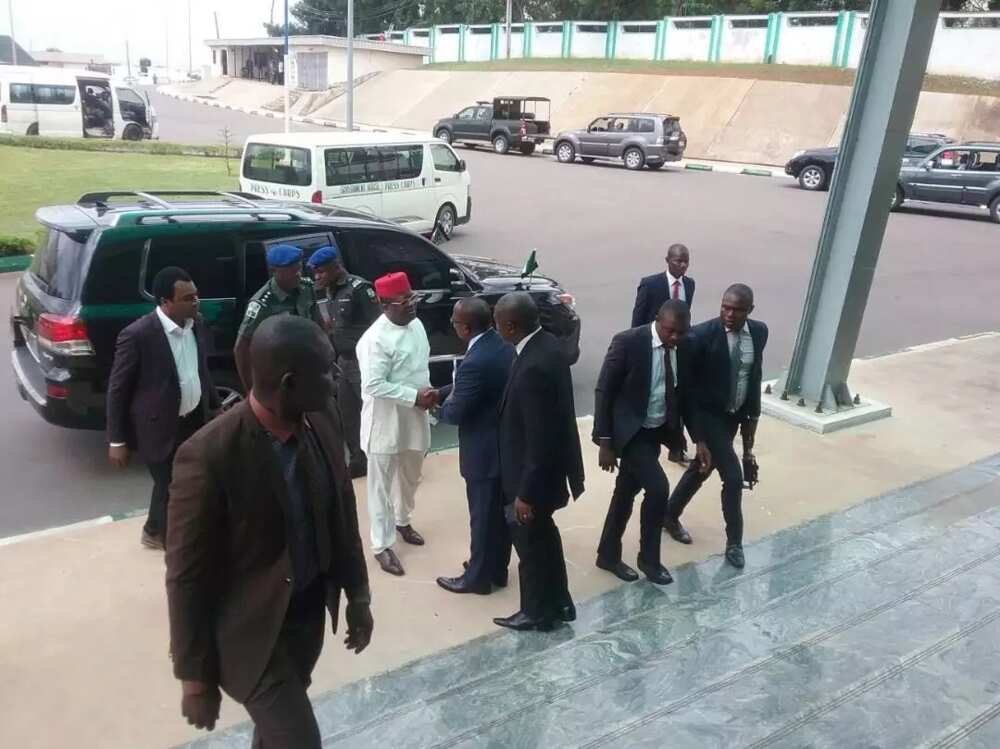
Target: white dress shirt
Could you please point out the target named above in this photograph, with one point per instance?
(184, 347)
(524, 341)
(746, 362)
(680, 289)
(395, 363)
(656, 410)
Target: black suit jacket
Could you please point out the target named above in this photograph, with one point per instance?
(622, 395)
(473, 403)
(229, 574)
(710, 362)
(653, 291)
(144, 394)
(540, 458)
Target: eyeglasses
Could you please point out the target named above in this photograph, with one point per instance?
(405, 302)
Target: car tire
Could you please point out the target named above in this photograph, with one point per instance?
(587, 159)
(995, 210)
(132, 132)
(443, 134)
(813, 177)
(501, 144)
(229, 388)
(657, 165)
(446, 218)
(527, 149)
(897, 198)
(565, 153)
(634, 159)
(32, 129)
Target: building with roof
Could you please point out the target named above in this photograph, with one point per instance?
(6, 53)
(73, 61)
(318, 62)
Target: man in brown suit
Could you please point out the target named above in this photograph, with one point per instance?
(263, 536)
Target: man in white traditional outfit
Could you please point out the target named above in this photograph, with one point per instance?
(394, 358)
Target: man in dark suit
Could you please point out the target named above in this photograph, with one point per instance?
(160, 391)
(263, 539)
(653, 291)
(642, 391)
(540, 462)
(473, 403)
(727, 356)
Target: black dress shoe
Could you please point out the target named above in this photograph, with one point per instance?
(521, 622)
(619, 569)
(734, 555)
(656, 573)
(461, 585)
(566, 613)
(410, 535)
(677, 531)
(679, 457)
(389, 562)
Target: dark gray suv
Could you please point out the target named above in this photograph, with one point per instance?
(963, 174)
(636, 139)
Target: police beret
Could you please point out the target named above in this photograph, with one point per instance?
(283, 255)
(323, 255)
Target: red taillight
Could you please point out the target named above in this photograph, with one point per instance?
(317, 197)
(64, 335)
(53, 390)
(524, 128)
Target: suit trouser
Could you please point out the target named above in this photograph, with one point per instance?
(392, 489)
(541, 567)
(719, 432)
(349, 402)
(279, 706)
(162, 472)
(638, 469)
(489, 548)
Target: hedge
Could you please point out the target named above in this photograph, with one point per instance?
(11, 246)
(119, 146)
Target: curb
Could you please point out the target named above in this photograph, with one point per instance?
(758, 172)
(700, 167)
(15, 263)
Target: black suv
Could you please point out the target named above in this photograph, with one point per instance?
(92, 275)
(813, 168)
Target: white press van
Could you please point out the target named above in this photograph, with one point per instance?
(414, 180)
(72, 104)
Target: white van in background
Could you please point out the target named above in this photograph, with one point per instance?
(72, 104)
(414, 180)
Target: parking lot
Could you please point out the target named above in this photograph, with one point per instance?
(597, 229)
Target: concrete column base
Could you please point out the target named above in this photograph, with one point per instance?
(806, 416)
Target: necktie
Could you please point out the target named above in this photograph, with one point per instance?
(677, 290)
(735, 360)
(668, 377)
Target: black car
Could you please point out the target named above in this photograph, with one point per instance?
(520, 122)
(813, 168)
(92, 275)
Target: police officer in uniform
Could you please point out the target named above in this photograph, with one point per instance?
(287, 292)
(348, 306)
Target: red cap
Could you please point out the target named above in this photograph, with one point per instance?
(392, 285)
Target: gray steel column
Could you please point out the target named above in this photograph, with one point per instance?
(350, 65)
(897, 45)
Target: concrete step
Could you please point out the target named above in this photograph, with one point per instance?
(810, 643)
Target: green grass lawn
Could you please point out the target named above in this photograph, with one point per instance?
(791, 73)
(34, 177)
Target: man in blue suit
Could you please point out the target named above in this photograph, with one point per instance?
(473, 403)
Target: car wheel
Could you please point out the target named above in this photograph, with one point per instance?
(527, 148)
(634, 159)
(132, 132)
(32, 129)
(444, 134)
(587, 159)
(657, 165)
(500, 143)
(565, 153)
(995, 210)
(446, 219)
(897, 198)
(813, 177)
(228, 387)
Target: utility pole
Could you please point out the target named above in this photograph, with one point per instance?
(128, 60)
(13, 44)
(166, 44)
(190, 57)
(286, 78)
(350, 65)
(216, 15)
(509, 14)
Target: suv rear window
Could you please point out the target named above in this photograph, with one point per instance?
(58, 264)
(280, 164)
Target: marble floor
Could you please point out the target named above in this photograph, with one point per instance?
(878, 626)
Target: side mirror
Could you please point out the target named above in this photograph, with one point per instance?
(928, 166)
(457, 278)
(461, 165)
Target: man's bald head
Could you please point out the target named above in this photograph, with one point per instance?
(678, 260)
(291, 359)
(737, 304)
(516, 316)
(741, 291)
(475, 312)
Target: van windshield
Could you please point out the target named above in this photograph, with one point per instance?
(58, 264)
(283, 165)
